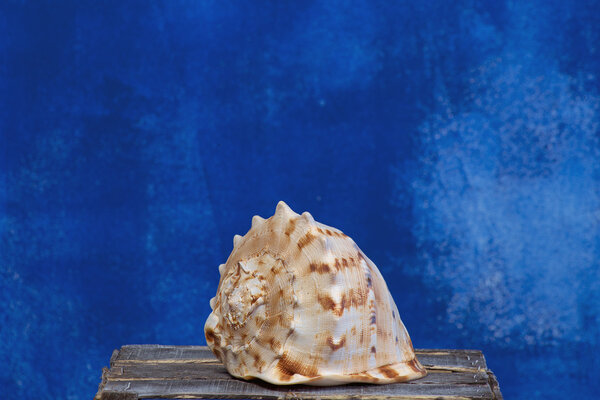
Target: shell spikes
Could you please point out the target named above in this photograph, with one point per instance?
(236, 240)
(309, 218)
(257, 220)
(299, 302)
(283, 209)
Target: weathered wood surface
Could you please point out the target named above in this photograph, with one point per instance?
(193, 372)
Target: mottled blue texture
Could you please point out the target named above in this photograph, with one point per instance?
(457, 142)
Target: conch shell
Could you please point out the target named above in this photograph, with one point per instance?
(299, 302)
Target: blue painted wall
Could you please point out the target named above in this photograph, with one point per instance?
(457, 142)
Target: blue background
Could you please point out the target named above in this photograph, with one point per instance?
(457, 142)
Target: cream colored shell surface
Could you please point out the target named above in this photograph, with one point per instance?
(299, 302)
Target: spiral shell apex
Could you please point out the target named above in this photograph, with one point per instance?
(299, 302)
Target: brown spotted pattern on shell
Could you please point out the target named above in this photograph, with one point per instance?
(299, 302)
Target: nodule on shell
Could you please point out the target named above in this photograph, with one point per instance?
(299, 302)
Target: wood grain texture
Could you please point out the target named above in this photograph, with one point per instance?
(156, 371)
(495, 386)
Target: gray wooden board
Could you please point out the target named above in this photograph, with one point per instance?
(155, 371)
(182, 354)
(217, 371)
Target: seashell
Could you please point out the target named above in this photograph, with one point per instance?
(299, 302)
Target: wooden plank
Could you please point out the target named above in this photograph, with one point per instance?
(235, 389)
(493, 381)
(160, 352)
(119, 396)
(105, 372)
(155, 371)
(452, 359)
(114, 356)
(471, 359)
(147, 370)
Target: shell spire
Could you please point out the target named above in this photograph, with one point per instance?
(299, 302)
